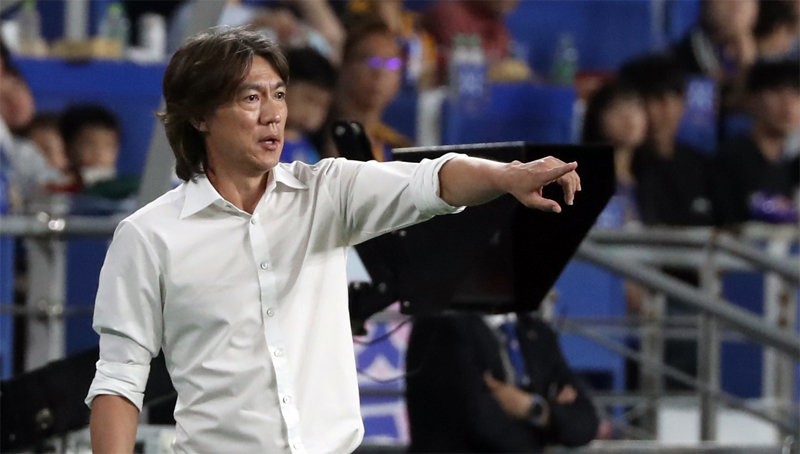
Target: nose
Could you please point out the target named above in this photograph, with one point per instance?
(270, 113)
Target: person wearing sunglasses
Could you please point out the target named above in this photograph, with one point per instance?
(369, 79)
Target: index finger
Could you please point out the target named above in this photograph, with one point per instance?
(559, 171)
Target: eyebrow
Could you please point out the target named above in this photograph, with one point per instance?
(258, 86)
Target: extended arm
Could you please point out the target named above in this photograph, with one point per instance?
(473, 181)
(113, 424)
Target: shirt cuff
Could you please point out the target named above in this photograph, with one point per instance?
(126, 380)
(425, 187)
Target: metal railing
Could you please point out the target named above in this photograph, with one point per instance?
(633, 255)
(637, 256)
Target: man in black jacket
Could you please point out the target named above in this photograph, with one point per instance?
(461, 398)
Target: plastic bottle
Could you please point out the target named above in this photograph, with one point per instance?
(30, 36)
(459, 59)
(478, 67)
(115, 26)
(414, 60)
(565, 61)
(468, 72)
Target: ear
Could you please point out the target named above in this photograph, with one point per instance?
(199, 124)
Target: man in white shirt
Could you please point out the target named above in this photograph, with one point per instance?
(238, 274)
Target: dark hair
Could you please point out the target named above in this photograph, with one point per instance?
(773, 14)
(5, 56)
(654, 75)
(202, 75)
(44, 120)
(771, 75)
(599, 102)
(308, 65)
(76, 118)
(359, 28)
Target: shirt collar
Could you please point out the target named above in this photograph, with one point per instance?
(200, 193)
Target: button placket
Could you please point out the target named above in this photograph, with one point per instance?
(273, 333)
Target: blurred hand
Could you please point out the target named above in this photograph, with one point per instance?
(567, 395)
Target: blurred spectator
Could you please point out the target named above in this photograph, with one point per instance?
(673, 186)
(44, 132)
(485, 18)
(369, 79)
(615, 115)
(419, 48)
(312, 79)
(16, 100)
(24, 170)
(757, 179)
(92, 139)
(776, 29)
(490, 384)
(292, 23)
(722, 47)
(722, 44)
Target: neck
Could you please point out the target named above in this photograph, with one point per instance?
(665, 145)
(367, 117)
(244, 192)
(769, 142)
(622, 164)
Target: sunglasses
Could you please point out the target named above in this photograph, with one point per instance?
(389, 64)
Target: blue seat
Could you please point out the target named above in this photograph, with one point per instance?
(6, 298)
(512, 111)
(585, 290)
(401, 114)
(606, 33)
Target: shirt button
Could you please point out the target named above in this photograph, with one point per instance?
(270, 312)
(295, 445)
(265, 265)
(278, 353)
(287, 400)
(252, 220)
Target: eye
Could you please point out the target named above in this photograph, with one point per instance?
(280, 94)
(252, 97)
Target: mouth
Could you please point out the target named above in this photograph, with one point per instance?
(271, 142)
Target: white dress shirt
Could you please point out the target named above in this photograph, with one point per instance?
(251, 310)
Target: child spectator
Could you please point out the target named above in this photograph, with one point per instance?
(757, 179)
(92, 139)
(311, 83)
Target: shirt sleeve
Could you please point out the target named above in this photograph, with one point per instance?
(374, 198)
(127, 316)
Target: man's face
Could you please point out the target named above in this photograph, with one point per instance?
(373, 74)
(244, 136)
(308, 106)
(96, 147)
(778, 110)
